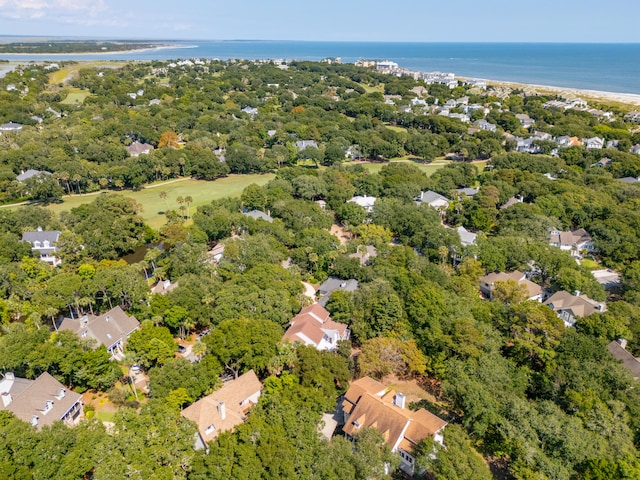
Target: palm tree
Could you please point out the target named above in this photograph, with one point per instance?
(180, 200)
(188, 200)
(163, 196)
(443, 251)
(199, 349)
(51, 313)
(76, 178)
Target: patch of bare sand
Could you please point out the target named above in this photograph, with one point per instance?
(341, 233)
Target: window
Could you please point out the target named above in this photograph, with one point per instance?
(210, 429)
(48, 406)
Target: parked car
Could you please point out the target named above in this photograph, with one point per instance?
(182, 349)
(201, 335)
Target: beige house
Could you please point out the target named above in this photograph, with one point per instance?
(571, 307)
(487, 284)
(370, 404)
(110, 329)
(224, 409)
(40, 402)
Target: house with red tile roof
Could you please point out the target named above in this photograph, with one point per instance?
(370, 404)
(313, 326)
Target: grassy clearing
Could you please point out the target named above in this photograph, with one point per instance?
(68, 71)
(397, 129)
(370, 89)
(153, 207)
(106, 416)
(76, 96)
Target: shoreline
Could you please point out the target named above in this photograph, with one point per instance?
(626, 98)
(126, 52)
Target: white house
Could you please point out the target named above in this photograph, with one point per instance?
(433, 199)
(364, 201)
(44, 242)
(574, 241)
(313, 326)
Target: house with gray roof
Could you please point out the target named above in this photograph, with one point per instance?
(10, 127)
(302, 144)
(332, 284)
(110, 329)
(26, 175)
(364, 201)
(43, 242)
(618, 349)
(433, 199)
(259, 215)
(40, 402)
(468, 191)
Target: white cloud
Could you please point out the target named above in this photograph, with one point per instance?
(68, 11)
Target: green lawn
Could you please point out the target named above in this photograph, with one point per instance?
(75, 97)
(153, 206)
(106, 416)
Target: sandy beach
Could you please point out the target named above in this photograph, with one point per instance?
(126, 52)
(627, 98)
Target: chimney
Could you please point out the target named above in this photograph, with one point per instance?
(9, 376)
(222, 410)
(577, 293)
(6, 398)
(39, 229)
(399, 400)
(61, 393)
(623, 343)
(34, 420)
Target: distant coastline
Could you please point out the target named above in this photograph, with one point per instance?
(611, 68)
(102, 52)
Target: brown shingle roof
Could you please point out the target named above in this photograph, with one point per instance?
(311, 324)
(237, 396)
(401, 428)
(580, 305)
(29, 400)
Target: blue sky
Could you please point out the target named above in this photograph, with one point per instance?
(347, 20)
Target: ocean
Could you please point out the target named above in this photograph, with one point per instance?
(606, 67)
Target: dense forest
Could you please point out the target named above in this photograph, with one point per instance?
(525, 396)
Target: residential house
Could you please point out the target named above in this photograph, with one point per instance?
(40, 402)
(251, 111)
(635, 149)
(302, 144)
(433, 199)
(10, 127)
(314, 327)
(364, 201)
(224, 409)
(259, 215)
(44, 242)
(353, 153)
(511, 202)
(594, 143)
(386, 66)
(488, 284)
(484, 125)
(137, 148)
(574, 241)
(110, 329)
(571, 307)
(364, 254)
(527, 145)
(629, 179)
(216, 253)
(464, 118)
(370, 404)
(603, 162)
(609, 279)
(525, 120)
(322, 204)
(613, 144)
(163, 287)
(467, 238)
(566, 141)
(467, 192)
(26, 175)
(618, 349)
(332, 284)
